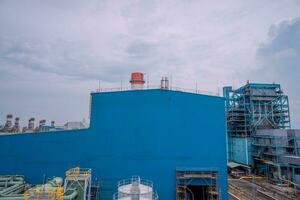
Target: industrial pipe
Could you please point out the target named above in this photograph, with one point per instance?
(10, 183)
(57, 181)
(71, 196)
(8, 191)
(19, 197)
(8, 178)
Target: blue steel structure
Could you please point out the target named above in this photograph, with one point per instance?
(276, 155)
(253, 107)
(156, 134)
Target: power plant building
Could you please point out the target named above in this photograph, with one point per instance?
(175, 139)
(259, 132)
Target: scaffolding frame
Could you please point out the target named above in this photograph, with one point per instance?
(255, 106)
(186, 178)
(79, 178)
(271, 151)
(249, 108)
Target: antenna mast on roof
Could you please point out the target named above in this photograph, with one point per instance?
(99, 84)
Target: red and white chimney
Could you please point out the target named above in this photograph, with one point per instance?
(137, 81)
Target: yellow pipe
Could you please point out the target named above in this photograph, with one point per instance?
(251, 177)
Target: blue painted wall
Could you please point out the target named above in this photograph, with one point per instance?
(150, 133)
(240, 150)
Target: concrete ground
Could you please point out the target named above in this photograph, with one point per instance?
(240, 189)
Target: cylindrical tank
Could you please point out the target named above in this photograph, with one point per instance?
(137, 81)
(135, 189)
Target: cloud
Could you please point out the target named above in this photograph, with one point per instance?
(64, 47)
(279, 61)
(106, 40)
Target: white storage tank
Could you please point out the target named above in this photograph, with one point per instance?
(135, 189)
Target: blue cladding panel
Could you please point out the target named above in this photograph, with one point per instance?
(239, 150)
(148, 133)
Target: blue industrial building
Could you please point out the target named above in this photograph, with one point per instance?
(176, 139)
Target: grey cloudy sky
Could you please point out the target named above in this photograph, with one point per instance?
(52, 53)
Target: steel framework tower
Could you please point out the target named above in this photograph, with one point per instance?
(250, 108)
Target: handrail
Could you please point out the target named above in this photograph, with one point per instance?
(129, 181)
(120, 195)
(78, 171)
(179, 89)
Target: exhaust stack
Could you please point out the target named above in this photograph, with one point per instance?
(137, 81)
(8, 123)
(30, 124)
(17, 124)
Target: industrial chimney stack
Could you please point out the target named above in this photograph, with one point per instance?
(17, 124)
(137, 81)
(8, 123)
(30, 124)
(42, 122)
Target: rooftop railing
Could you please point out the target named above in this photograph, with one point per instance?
(179, 89)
